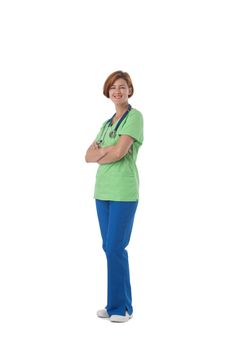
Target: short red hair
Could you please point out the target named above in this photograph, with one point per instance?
(113, 77)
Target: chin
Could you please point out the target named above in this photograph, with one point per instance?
(120, 102)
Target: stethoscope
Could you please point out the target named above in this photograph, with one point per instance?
(108, 123)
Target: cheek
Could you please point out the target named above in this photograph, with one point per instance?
(125, 92)
(110, 94)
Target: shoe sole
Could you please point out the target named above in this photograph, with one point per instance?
(116, 319)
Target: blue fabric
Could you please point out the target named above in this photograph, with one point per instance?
(116, 222)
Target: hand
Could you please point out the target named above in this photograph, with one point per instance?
(94, 145)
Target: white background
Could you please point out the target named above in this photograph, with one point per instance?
(55, 57)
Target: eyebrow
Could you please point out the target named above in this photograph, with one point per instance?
(119, 85)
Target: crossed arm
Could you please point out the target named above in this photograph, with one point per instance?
(103, 155)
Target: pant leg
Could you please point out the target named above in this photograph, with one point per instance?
(121, 217)
(102, 208)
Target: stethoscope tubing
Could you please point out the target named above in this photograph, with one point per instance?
(108, 123)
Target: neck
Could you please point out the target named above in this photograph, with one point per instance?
(121, 109)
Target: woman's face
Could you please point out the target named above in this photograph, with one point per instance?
(119, 92)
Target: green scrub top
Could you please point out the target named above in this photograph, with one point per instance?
(119, 181)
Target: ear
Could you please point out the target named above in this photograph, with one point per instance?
(130, 91)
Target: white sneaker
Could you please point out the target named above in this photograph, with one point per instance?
(120, 318)
(102, 313)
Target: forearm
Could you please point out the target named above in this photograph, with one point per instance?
(112, 155)
(94, 155)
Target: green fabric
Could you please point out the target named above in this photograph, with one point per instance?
(119, 181)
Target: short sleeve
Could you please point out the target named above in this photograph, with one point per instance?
(133, 126)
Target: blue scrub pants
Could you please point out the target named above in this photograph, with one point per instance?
(116, 222)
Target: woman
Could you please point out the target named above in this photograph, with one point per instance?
(115, 149)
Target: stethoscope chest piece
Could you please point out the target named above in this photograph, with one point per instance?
(112, 134)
